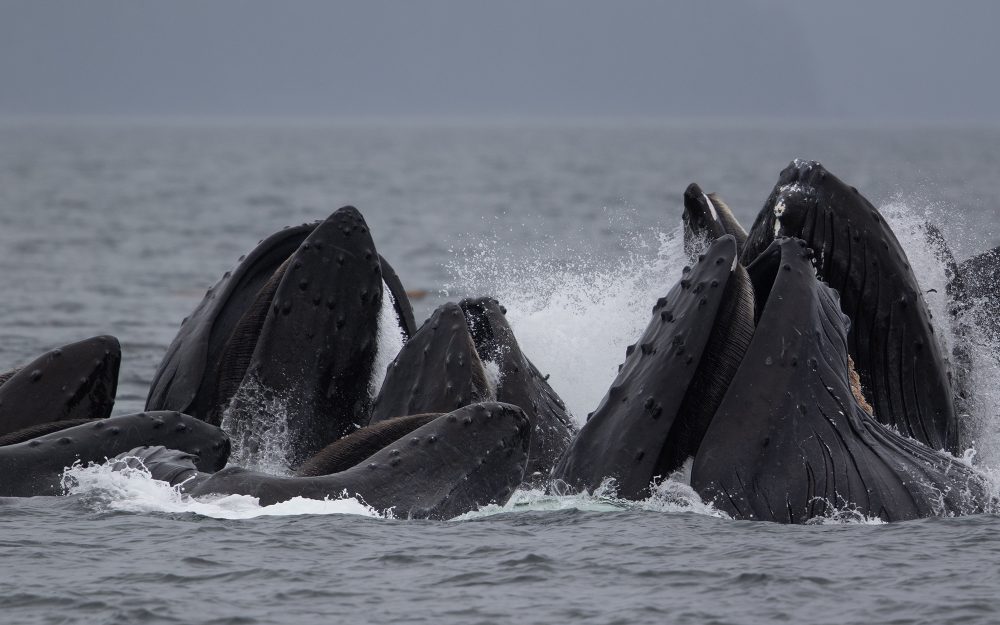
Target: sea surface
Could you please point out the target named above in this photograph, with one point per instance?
(119, 228)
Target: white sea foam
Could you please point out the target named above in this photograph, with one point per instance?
(572, 313)
(133, 490)
(673, 494)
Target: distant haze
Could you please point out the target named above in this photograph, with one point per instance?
(511, 58)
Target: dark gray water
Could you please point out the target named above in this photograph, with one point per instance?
(120, 228)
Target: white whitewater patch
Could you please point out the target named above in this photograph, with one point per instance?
(910, 226)
(983, 406)
(388, 342)
(261, 438)
(572, 312)
(671, 495)
(846, 514)
(908, 218)
(133, 490)
(493, 376)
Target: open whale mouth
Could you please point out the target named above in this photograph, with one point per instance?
(900, 365)
(701, 221)
(485, 328)
(762, 276)
(466, 353)
(296, 369)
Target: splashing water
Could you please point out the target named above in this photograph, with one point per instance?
(572, 313)
(256, 421)
(980, 371)
(672, 495)
(389, 341)
(260, 435)
(133, 490)
(982, 422)
(494, 377)
(911, 228)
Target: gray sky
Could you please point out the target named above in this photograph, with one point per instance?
(508, 58)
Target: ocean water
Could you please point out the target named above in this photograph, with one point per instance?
(119, 228)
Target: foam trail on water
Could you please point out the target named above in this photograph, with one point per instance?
(574, 313)
(671, 495)
(133, 490)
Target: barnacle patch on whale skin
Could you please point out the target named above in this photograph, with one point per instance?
(779, 204)
(779, 210)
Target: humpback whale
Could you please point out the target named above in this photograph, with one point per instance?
(35, 467)
(452, 464)
(658, 408)
(520, 383)
(706, 218)
(71, 384)
(442, 367)
(437, 370)
(790, 442)
(296, 324)
(891, 340)
(187, 376)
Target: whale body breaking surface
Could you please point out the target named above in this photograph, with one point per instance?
(739, 391)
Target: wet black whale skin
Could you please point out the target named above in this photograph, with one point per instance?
(790, 442)
(35, 467)
(654, 415)
(903, 371)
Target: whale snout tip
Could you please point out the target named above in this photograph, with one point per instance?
(804, 172)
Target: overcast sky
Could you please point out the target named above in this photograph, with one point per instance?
(896, 59)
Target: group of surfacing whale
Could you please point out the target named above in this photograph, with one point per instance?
(796, 367)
